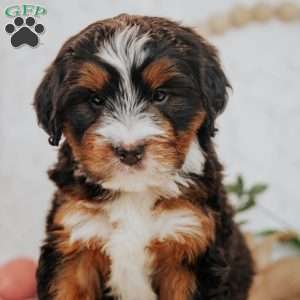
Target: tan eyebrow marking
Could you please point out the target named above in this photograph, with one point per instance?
(92, 76)
(159, 71)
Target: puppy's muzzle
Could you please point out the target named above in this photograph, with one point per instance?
(130, 155)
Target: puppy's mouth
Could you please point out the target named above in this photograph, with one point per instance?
(136, 169)
(131, 169)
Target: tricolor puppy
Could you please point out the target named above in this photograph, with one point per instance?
(140, 211)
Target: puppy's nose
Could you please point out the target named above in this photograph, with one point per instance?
(130, 156)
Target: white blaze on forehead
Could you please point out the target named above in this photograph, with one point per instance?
(195, 159)
(124, 50)
(127, 123)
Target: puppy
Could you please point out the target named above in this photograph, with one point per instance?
(140, 211)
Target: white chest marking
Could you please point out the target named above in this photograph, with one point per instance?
(130, 267)
(125, 243)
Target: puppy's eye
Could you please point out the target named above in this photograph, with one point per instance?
(160, 96)
(97, 101)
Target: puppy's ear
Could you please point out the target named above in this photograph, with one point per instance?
(214, 85)
(46, 103)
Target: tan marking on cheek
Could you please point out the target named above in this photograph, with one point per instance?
(71, 141)
(185, 137)
(163, 148)
(93, 152)
(170, 150)
(159, 72)
(164, 152)
(92, 76)
(96, 155)
(81, 276)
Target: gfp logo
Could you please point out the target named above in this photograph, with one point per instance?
(25, 30)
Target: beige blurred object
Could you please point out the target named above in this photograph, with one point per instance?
(262, 251)
(274, 280)
(242, 15)
(278, 281)
(288, 12)
(262, 12)
(218, 24)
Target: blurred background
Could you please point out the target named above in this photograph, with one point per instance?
(259, 135)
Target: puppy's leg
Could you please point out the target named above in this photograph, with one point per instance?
(186, 233)
(172, 279)
(77, 276)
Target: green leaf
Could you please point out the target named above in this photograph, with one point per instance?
(240, 185)
(237, 187)
(295, 242)
(247, 198)
(232, 188)
(258, 189)
(247, 205)
(242, 222)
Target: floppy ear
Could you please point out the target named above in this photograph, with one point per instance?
(214, 85)
(46, 101)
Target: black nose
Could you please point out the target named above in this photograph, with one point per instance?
(130, 156)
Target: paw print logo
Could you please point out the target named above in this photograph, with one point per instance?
(24, 33)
